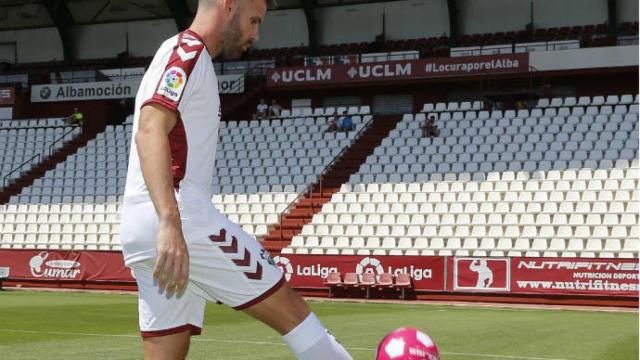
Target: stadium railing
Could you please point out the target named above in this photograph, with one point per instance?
(318, 180)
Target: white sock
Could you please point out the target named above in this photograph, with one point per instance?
(311, 341)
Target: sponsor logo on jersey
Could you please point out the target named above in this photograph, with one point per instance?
(265, 255)
(173, 83)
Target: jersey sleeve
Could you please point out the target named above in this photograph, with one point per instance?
(171, 90)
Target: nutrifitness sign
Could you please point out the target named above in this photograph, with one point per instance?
(551, 276)
(398, 70)
(85, 91)
(576, 276)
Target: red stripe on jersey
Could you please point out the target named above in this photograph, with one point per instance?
(173, 81)
(169, 93)
(178, 144)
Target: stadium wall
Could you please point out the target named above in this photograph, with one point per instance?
(139, 38)
(589, 58)
(488, 16)
(47, 48)
(602, 282)
(24, 17)
(8, 51)
(284, 28)
(362, 23)
(627, 10)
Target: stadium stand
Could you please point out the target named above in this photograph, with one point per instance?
(261, 166)
(25, 143)
(559, 180)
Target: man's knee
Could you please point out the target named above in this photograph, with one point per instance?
(282, 311)
(170, 347)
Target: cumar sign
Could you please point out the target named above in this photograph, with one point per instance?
(64, 266)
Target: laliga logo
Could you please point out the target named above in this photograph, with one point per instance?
(309, 270)
(60, 269)
(174, 78)
(373, 265)
(174, 82)
(284, 264)
(369, 265)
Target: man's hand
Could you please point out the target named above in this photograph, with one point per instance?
(172, 262)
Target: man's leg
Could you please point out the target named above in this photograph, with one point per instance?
(282, 311)
(170, 347)
(287, 313)
(228, 265)
(166, 322)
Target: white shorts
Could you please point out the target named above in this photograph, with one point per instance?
(226, 265)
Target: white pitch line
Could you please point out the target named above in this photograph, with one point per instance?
(268, 343)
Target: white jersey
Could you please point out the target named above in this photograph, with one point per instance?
(182, 79)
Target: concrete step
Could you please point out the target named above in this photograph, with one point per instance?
(349, 163)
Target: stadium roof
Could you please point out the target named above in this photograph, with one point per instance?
(27, 14)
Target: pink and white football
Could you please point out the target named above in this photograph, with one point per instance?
(407, 344)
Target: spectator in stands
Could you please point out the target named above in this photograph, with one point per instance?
(429, 129)
(333, 124)
(274, 109)
(77, 118)
(346, 122)
(261, 110)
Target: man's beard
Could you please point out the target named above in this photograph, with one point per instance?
(231, 46)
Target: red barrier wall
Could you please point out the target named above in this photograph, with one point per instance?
(462, 276)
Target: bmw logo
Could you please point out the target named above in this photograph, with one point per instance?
(45, 92)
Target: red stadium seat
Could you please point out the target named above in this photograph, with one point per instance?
(351, 280)
(368, 281)
(385, 281)
(334, 279)
(403, 282)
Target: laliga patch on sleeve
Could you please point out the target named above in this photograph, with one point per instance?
(172, 83)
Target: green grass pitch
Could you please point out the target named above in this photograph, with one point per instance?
(74, 325)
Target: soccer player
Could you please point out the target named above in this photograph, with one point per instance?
(181, 250)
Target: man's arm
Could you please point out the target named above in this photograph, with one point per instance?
(152, 141)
